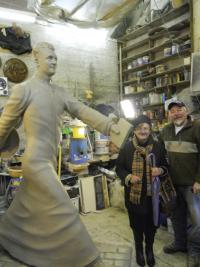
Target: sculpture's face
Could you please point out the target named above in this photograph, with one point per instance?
(47, 61)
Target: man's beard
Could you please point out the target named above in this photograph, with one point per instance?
(179, 122)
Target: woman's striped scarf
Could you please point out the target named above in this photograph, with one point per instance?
(138, 170)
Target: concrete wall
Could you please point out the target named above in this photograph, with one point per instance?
(84, 58)
(196, 22)
(78, 53)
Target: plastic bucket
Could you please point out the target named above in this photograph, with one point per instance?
(78, 151)
(101, 144)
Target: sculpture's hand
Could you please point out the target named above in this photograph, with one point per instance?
(113, 117)
(115, 129)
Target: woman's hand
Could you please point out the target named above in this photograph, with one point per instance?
(196, 188)
(134, 179)
(156, 171)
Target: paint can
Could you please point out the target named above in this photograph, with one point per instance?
(101, 144)
(167, 51)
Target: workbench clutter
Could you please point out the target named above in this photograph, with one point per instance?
(71, 184)
(10, 180)
(93, 193)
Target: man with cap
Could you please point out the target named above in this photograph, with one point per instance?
(182, 142)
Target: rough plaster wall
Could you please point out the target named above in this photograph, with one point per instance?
(196, 21)
(75, 58)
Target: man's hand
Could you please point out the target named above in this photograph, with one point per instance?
(134, 179)
(196, 188)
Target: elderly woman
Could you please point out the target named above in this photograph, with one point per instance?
(136, 173)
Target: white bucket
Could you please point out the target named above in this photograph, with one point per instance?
(101, 144)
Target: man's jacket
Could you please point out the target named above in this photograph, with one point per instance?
(183, 151)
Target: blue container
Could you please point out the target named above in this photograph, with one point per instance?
(78, 151)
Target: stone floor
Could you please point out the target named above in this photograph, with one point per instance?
(110, 227)
(110, 231)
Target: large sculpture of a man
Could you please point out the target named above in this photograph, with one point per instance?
(42, 228)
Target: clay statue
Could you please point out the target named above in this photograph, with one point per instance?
(42, 227)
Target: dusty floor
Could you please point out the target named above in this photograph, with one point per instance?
(110, 226)
(110, 230)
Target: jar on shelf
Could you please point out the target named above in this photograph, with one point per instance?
(134, 63)
(160, 68)
(140, 61)
(128, 89)
(175, 49)
(186, 75)
(154, 98)
(129, 66)
(158, 81)
(165, 81)
(167, 51)
(145, 100)
(148, 84)
(152, 70)
(145, 59)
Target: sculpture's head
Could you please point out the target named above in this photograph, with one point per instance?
(46, 58)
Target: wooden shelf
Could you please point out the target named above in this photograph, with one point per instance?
(155, 62)
(150, 40)
(158, 22)
(136, 69)
(153, 106)
(133, 81)
(158, 88)
(141, 79)
(154, 49)
(136, 45)
(182, 67)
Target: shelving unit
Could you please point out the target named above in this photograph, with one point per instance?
(154, 60)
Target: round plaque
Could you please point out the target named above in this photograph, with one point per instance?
(15, 70)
